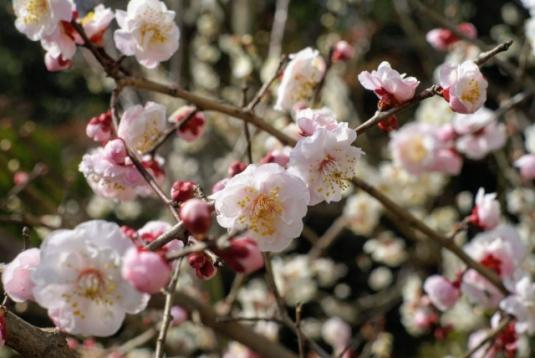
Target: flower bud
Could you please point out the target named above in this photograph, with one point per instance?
(194, 122)
(196, 215)
(220, 185)
(388, 124)
(16, 277)
(526, 164)
(203, 265)
(115, 151)
(236, 168)
(99, 127)
(342, 51)
(441, 292)
(486, 212)
(276, 156)
(146, 270)
(183, 190)
(243, 255)
(21, 177)
(179, 315)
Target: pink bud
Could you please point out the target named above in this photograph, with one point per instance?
(16, 277)
(526, 164)
(146, 270)
(115, 151)
(203, 265)
(3, 328)
(21, 178)
(486, 212)
(194, 125)
(342, 51)
(243, 255)
(56, 64)
(220, 185)
(179, 315)
(196, 215)
(447, 161)
(72, 343)
(236, 168)
(442, 293)
(389, 124)
(99, 127)
(276, 157)
(183, 190)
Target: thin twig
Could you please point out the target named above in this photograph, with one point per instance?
(490, 337)
(263, 90)
(250, 319)
(328, 237)
(300, 336)
(198, 247)
(166, 320)
(137, 341)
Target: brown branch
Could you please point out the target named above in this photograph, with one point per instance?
(233, 330)
(490, 337)
(328, 237)
(177, 232)
(263, 90)
(201, 246)
(411, 220)
(300, 337)
(166, 320)
(33, 342)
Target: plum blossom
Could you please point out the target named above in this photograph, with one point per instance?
(443, 38)
(442, 292)
(300, 78)
(526, 164)
(96, 22)
(309, 120)
(386, 249)
(194, 127)
(110, 174)
(147, 31)
(336, 332)
(325, 161)
(342, 51)
(56, 64)
(203, 265)
(147, 271)
(16, 277)
(418, 149)
(79, 279)
(478, 134)
(99, 128)
(486, 212)
(362, 213)
(387, 82)
(39, 18)
(463, 86)
(520, 304)
(500, 250)
(266, 200)
(141, 127)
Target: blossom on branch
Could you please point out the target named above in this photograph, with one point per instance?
(486, 212)
(520, 304)
(299, 80)
(442, 38)
(96, 22)
(141, 127)
(16, 276)
(79, 279)
(266, 200)
(463, 86)
(326, 162)
(443, 293)
(147, 31)
(526, 164)
(39, 18)
(191, 125)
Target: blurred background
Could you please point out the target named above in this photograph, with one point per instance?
(224, 46)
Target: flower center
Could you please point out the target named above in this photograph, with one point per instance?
(416, 150)
(471, 92)
(156, 32)
(493, 263)
(90, 284)
(263, 211)
(34, 11)
(90, 16)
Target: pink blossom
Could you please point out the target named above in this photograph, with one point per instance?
(99, 128)
(268, 201)
(442, 292)
(300, 78)
(96, 22)
(16, 277)
(196, 215)
(326, 162)
(179, 315)
(278, 156)
(420, 147)
(387, 81)
(147, 271)
(110, 179)
(243, 255)
(486, 213)
(442, 38)
(37, 19)
(464, 87)
(309, 120)
(195, 125)
(342, 51)
(479, 133)
(61, 44)
(183, 190)
(526, 164)
(56, 64)
(147, 30)
(79, 279)
(141, 127)
(520, 304)
(203, 265)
